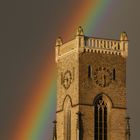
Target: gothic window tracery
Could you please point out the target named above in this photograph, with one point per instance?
(100, 120)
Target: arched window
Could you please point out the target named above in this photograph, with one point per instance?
(100, 122)
(89, 71)
(68, 125)
(114, 74)
(67, 120)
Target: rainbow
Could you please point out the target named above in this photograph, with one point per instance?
(35, 121)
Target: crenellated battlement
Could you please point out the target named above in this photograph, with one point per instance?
(83, 44)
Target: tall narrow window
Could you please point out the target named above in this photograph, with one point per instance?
(105, 123)
(114, 74)
(100, 123)
(68, 125)
(96, 122)
(67, 120)
(89, 72)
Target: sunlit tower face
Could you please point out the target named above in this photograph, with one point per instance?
(91, 88)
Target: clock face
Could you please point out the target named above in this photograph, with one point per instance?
(102, 76)
(67, 79)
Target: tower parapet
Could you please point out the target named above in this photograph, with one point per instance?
(82, 43)
(108, 46)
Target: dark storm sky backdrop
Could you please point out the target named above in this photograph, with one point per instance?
(27, 27)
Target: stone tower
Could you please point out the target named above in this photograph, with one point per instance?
(91, 88)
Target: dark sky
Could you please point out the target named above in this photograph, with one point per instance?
(25, 24)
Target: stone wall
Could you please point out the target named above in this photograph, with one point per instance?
(74, 85)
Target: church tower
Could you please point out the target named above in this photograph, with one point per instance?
(91, 88)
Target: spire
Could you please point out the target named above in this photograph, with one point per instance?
(59, 41)
(80, 31)
(124, 36)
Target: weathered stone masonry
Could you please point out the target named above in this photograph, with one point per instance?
(91, 88)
